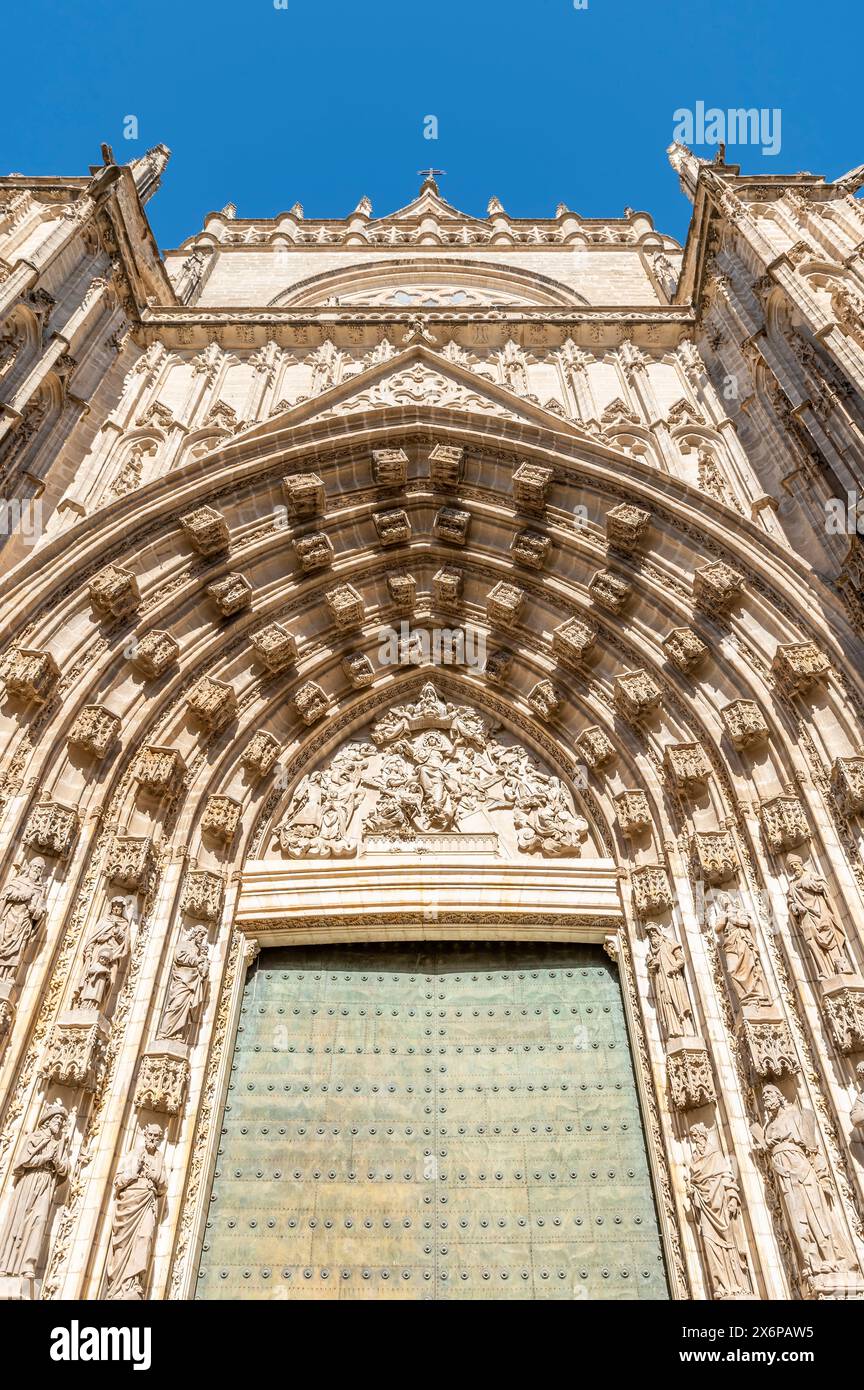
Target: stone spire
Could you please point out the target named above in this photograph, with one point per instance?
(147, 170)
(687, 166)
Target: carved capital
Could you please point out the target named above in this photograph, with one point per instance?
(52, 828)
(688, 1070)
(393, 527)
(688, 765)
(274, 646)
(230, 594)
(799, 665)
(154, 653)
(310, 702)
(346, 606)
(163, 1075)
(221, 817)
(544, 699)
(504, 603)
(716, 855)
(32, 674)
(847, 780)
(573, 640)
(769, 1042)
(716, 586)
(314, 552)
(636, 694)
(685, 649)
(115, 592)
(594, 747)
(95, 729)
(206, 529)
(744, 722)
(609, 590)
(130, 860)
(451, 525)
(530, 485)
(634, 813)
(159, 769)
(445, 466)
(784, 823)
(261, 752)
(652, 894)
(213, 702)
(203, 893)
(304, 493)
(530, 548)
(390, 467)
(627, 526)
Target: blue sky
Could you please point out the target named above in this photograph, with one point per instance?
(324, 101)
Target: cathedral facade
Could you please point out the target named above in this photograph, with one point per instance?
(432, 748)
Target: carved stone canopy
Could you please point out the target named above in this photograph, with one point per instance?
(431, 775)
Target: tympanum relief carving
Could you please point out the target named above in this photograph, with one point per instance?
(430, 768)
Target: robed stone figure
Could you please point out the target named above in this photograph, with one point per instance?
(789, 1140)
(41, 1167)
(715, 1205)
(734, 928)
(138, 1190)
(666, 968)
(22, 910)
(104, 951)
(810, 907)
(186, 986)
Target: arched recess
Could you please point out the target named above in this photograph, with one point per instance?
(632, 681)
(353, 285)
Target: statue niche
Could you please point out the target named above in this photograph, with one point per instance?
(431, 774)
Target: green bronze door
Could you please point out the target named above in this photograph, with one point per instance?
(438, 1121)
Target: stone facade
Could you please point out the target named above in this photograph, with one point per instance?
(253, 454)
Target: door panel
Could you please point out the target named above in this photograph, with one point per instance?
(432, 1121)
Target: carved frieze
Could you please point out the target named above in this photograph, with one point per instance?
(53, 828)
(447, 586)
(206, 529)
(627, 526)
(358, 669)
(203, 892)
(497, 666)
(530, 548)
(688, 765)
(393, 527)
(314, 552)
(634, 813)
(32, 674)
(304, 493)
(163, 1075)
(74, 1050)
(716, 855)
(504, 603)
(609, 590)
(275, 646)
(310, 702)
(213, 702)
(769, 1042)
(847, 780)
(390, 467)
(94, 730)
(784, 823)
(531, 483)
(685, 649)
(402, 589)
(544, 699)
(636, 694)
(431, 768)
(799, 665)
(154, 653)
(445, 466)
(130, 860)
(115, 592)
(652, 894)
(843, 1002)
(160, 769)
(346, 606)
(451, 524)
(573, 640)
(688, 1070)
(231, 594)
(594, 747)
(261, 752)
(745, 723)
(716, 586)
(221, 817)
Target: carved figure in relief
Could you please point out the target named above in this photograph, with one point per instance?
(186, 986)
(789, 1140)
(666, 968)
(323, 805)
(22, 911)
(41, 1167)
(856, 1115)
(432, 765)
(810, 907)
(715, 1205)
(138, 1189)
(736, 932)
(105, 948)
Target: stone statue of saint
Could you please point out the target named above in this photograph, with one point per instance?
(789, 1140)
(41, 1167)
(22, 910)
(666, 968)
(106, 946)
(186, 986)
(138, 1190)
(856, 1114)
(734, 927)
(810, 908)
(715, 1205)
